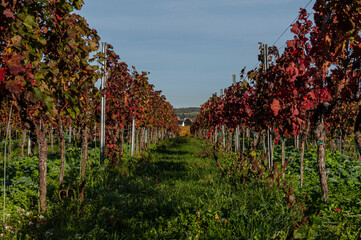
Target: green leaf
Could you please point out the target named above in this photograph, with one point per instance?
(16, 40)
(37, 93)
(48, 102)
(39, 77)
(55, 71)
(29, 21)
(78, 4)
(42, 41)
(77, 110)
(93, 45)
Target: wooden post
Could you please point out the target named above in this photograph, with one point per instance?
(243, 136)
(248, 136)
(29, 144)
(52, 140)
(255, 139)
(133, 136)
(69, 134)
(223, 137)
(95, 133)
(237, 139)
(269, 149)
(283, 155)
(137, 141)
(230, 140)
(216, 135)
(23, 139)
(264, 150)
(146, 138)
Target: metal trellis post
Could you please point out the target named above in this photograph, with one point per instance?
(102, 114)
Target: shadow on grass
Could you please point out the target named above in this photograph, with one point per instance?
(162, 171)
(170, 163)
(125, 207)
(166, 151)
(174, 146)
(120, 207)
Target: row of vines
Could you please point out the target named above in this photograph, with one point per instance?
(49, 64)
(311, 90)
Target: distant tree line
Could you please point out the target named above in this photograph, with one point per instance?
(190, 112)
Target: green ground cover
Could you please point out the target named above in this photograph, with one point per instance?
(176, 190)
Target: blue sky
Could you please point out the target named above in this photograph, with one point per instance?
(191, 47)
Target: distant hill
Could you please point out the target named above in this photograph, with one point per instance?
(190, 112)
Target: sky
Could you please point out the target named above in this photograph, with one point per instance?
(191, 47)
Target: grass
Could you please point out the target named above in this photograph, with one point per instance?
(168, 193)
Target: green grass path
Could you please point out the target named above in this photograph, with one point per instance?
(165, 194)
(173, 195)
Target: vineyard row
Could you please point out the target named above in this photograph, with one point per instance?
(49, 64)
(312, 89)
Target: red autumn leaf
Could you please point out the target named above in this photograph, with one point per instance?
(313, 96)
(291, 43)
(295, 29)
(14, 86)
(275, 106)
(8, 13)
(294, 111)
(295, 130)
(326, 95)
(2, 75)
(292, 71)
(14, 64)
